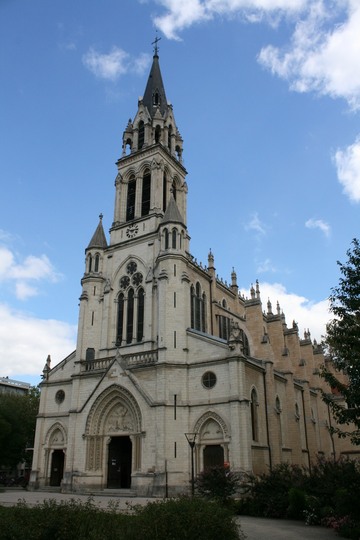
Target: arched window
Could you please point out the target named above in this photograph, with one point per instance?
(224, 327)
(203, 313)
(246, 346)
(254, 415)
(140, 316)
(169, 137)
(173, 187)
(164, 191)
(157, 134)
(197, 306)
(128, 145)
(130, 316)
(166, 238)
(90, 354)
(278, 411)
(173, 238)
(146, 193)
(277, 405)
(198, 315)
(141, 136)
(192, 304)
(90, 263)
(120, 319)
(156, 98)
(97, 260)
(130, 207)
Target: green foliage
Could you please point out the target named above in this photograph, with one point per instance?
(217, 484)
(269, 493)
(190, 519)
(17, 426)
(328, 494)
(297, 503)
(342, 345)
(186, 518)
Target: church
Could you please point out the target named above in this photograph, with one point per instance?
(174, 369)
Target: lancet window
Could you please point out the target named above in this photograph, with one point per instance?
(198, 308)
(169, 137)
(254, 415)
(146, 193)
(141, 135)
(131, 305)
(131, 196)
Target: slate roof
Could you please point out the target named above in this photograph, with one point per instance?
(155, 85)
(99, 239)
(172, 213)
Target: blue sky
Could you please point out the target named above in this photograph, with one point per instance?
(266, 95)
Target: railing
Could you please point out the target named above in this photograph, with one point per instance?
(95, 365)
(129, 360)
(136, 359)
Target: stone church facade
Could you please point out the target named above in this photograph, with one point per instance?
(165, 348)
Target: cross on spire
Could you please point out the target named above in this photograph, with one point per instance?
(155, 43)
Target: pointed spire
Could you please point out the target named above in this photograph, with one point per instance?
(233, 278)
(172, 213)
(99, 239)
(154, 96)
(257, 290)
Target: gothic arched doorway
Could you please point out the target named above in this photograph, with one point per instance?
(213, 441)
(213, 456)
(119, 463)
(57, 468)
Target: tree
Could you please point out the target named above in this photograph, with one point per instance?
(342, 348)
(17, 426)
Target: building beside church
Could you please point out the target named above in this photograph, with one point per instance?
(165, 348)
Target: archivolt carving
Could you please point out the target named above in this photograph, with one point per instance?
(56, 435)
(211, 425)
(114, 411)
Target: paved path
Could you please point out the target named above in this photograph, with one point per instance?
(254, 528)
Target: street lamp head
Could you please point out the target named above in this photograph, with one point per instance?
(191, 439)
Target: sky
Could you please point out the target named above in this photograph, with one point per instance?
(266, 95)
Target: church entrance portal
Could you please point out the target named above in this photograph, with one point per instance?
(213, 456)
(119, 463)
(57, 467)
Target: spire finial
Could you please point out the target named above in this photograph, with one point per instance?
(155, 43)
(101, 216)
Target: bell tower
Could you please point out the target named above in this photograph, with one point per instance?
(150, 170)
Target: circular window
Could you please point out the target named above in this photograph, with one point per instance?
(124, 282)
(59, 396)
(209, 379)
(131, 267)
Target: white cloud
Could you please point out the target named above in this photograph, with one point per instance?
(348, 169)
(256, 225)
(324, 52)
(307, 314)
(31, 269)
(112, 65)
(24, 290)
(265, 266)
(26, 341)
(181, 15)
(318, 224)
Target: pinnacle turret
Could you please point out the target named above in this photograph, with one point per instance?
(99, 239)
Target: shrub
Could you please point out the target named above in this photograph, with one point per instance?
(186, 518)
(297, 503)
(217, 484)
(190, 519)
(269, 493)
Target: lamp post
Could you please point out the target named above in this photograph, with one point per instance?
(191, 440)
